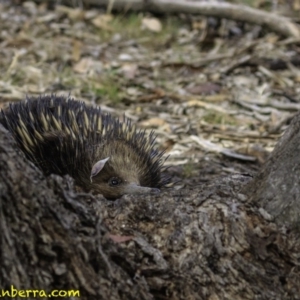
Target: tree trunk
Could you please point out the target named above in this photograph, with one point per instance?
(52, 238)
(277, 187)
(205, 243)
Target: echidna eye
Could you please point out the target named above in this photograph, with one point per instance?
(114, 181)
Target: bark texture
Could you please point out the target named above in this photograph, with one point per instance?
(205, 243)
(277, 187)
(52, 238)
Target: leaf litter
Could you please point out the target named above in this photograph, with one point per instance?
(218, 93)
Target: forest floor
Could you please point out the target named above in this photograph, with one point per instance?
(218, 93)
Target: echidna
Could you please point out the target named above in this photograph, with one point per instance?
(103, 155)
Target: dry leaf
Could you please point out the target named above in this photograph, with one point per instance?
(256, 151)
(20, 42)
(124, 56)
(152, 24)
(47, 18)
(83, 65)
(296, 5)
(102, 21)
(129, 70)
(120, 239)
(33, 73)
(33, 89)
(72, 13)
(76, 51)
(153, 122)
(206, 88)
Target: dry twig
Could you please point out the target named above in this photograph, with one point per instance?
(279, 24)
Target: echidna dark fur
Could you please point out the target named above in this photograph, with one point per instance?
(103, 155)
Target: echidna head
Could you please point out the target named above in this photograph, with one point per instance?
(125, 170)
(112, 183)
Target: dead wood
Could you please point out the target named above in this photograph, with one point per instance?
(279, 24)
(277, 187)
(205, 243)
(52, 238)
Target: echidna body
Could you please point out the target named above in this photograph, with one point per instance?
(102, 154)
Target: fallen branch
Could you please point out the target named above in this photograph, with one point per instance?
(281, 25)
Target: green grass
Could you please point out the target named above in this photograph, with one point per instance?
(129, 26)
(244, 2)
(108, 87)
(110, 91)
(188, 170)
(215, 117)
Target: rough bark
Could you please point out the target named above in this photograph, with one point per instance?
(206, 243)
(277, 187)
(52, 238)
